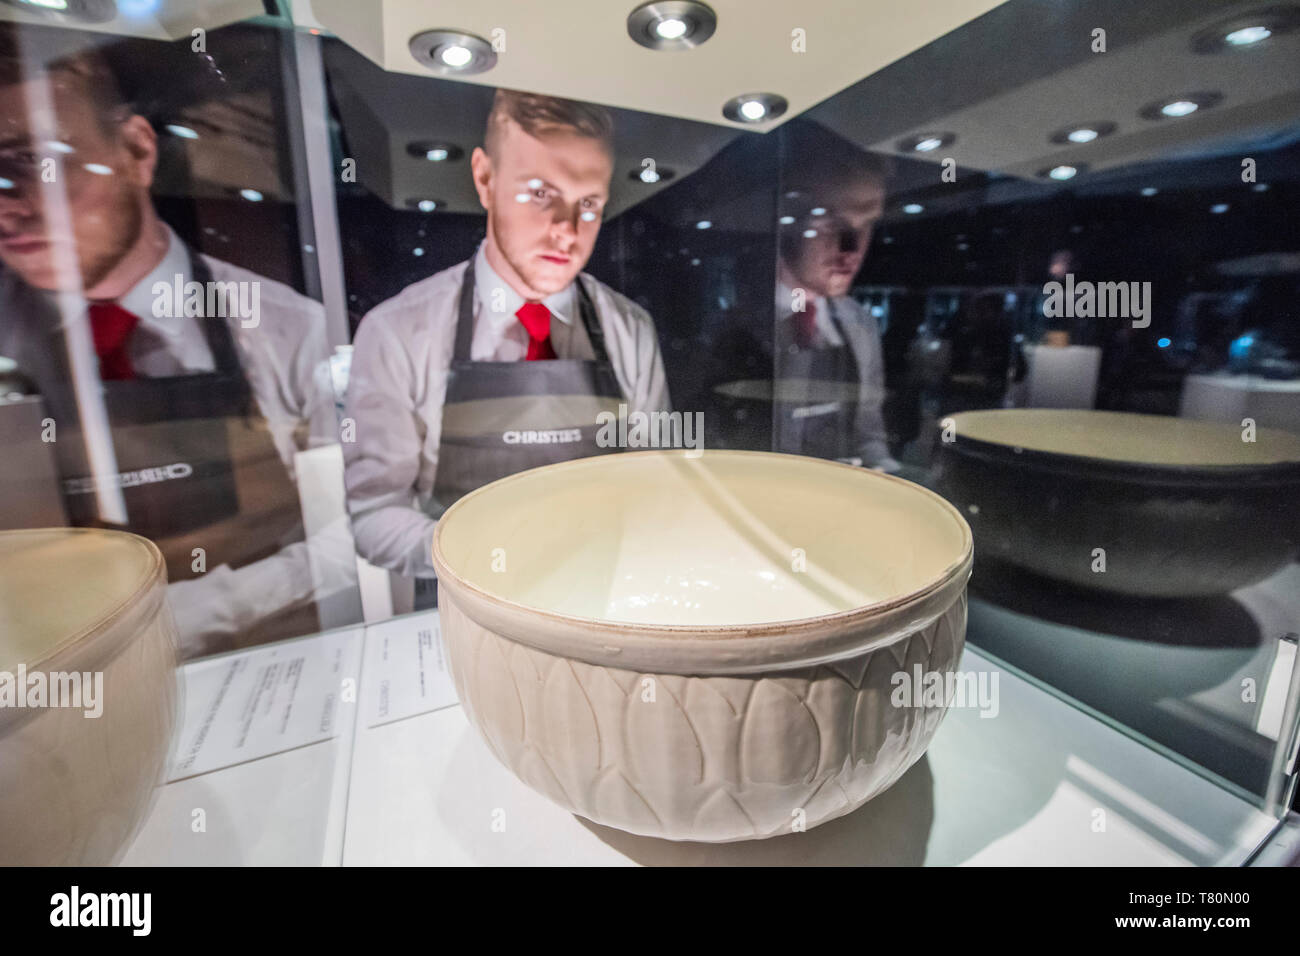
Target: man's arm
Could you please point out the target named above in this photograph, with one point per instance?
(382, 463)
(869, 423)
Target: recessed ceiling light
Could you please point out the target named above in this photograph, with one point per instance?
(6, 183)
(455, 56)
(818, 211)
(671, 28)
(1149, 190)
(652, 174)
(184, 132)
(1063, 172)
(1184, 104)
(671, 24)
(1219, 208)
(1247, 31)
(784, 220)
(925, 142)
(810, 233)
(58, 146)
(452, 52)
(754, 107)
(1248, 35)
(426, 204)
(252, 195)
(84, 11)
(1082, 132)
(434, 151)
(913, 208)
(417, 251)
(99, 169)
(703, 224)
(1260, 187)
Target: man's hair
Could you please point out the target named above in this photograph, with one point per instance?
(537, 114)
(815, 156)
(20, 62)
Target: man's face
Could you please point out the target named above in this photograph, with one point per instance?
(824, 251)
(544, 197)
(104, 175)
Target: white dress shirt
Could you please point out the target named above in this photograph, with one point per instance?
(825, 334)
(863, 332)
(499, 336)
(400, 359)
(169, 345)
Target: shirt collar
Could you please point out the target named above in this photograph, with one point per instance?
(562, 304)
(139, 299)
(785, 295)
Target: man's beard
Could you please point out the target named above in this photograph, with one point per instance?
(128, 222)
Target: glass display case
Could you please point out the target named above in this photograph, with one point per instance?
(958, 344)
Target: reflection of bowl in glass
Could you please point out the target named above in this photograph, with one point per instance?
(701, 647)
(73, 786)
(1168, 507)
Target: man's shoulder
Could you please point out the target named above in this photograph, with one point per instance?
(271, 292)
(411, 306)
(285, 314)
(613, 305)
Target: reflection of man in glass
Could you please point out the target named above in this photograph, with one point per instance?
(829, 371)
(203, 411)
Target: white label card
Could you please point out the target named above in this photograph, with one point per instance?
(405, 671)
(243, 706)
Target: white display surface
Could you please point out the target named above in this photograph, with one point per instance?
(1039, 783)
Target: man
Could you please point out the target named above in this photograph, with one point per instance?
(830, 381)
(503, 362)
(201, 413)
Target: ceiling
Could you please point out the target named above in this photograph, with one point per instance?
(383, 113)
(1008, 84)
(580, 49)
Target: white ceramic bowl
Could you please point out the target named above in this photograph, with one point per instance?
(74, 788)
(701, 646)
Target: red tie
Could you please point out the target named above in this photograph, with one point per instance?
(536, 318)
(806, 329)
(111, 327)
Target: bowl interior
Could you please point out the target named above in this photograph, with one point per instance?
(56, 584)
(725, 538)
(1127, 437)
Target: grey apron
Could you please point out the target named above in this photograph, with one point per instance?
(499, 418)
(809, 423)
(196, 462)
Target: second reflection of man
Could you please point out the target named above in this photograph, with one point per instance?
(829, 378)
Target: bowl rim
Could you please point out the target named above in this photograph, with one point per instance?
(130, 609)
(1266, 473)
(717, 648)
